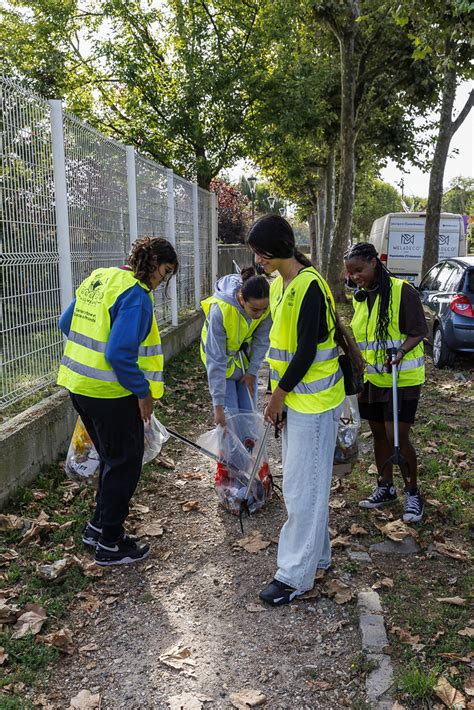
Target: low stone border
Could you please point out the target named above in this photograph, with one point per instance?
(375, 644)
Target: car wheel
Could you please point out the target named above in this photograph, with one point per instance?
(442, 355)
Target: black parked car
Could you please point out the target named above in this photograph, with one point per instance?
(447, 295)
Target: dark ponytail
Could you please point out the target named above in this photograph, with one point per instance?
(272, 237)
(253, 286)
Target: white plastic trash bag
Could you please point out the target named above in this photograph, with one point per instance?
(347, 447)
(82, 461)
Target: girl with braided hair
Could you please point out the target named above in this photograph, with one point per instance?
(113, 369)
(387, 314)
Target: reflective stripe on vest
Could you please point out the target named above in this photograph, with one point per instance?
(411, 368)
(84, 368)
(322, 387)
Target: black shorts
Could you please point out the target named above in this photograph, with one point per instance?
(383, 411)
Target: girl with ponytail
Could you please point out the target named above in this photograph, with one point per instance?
(388, 313)
(234, 340)
(307, 395)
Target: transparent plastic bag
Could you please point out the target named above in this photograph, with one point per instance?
(82, 461)
(347, 447)
(236, 445)
(155, 436)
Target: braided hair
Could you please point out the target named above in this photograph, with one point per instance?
(367, 252)
(147, 254)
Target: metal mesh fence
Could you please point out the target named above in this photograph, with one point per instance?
(97, 185)
(30, 298)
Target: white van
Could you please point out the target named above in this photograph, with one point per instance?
(399, 238)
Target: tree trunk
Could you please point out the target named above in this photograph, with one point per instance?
(313, 237)
(321, 203)
(446, 130)
(345, 201)
(328, 233)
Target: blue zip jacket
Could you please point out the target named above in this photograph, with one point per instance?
(130, 321)
(216, 352)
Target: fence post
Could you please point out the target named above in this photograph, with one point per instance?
(60, 203)
(132, 193)
(171, 235)
(214, 234)
(197, 251)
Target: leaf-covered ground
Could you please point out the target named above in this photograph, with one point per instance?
(185, 628)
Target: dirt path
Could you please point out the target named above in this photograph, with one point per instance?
(199, 591)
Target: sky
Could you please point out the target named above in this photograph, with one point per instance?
(460, 160)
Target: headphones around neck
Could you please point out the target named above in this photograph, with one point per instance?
(361, 294)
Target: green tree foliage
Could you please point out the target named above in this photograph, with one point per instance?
(374, 198)
(459, 198)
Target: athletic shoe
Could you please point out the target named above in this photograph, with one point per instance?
(382, 494)
(123, 552)
(91, 535)
(413, 508)
(277, 593)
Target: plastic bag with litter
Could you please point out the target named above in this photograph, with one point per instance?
(82, 461)
(347, 447)
(236, 444)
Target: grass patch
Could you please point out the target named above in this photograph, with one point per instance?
(416, 683)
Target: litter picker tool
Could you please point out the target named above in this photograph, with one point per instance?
(201, 449)
(397, 458)
(244, 503)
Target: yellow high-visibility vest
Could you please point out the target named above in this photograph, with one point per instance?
(411, 370)
(322, 387)
(237, 330)
(84, 368)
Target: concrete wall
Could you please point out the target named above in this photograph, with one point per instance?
(40, 434)
(227, 252)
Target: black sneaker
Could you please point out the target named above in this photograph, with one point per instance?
(91, 535)
(413, 508)
(277, 593)
(123, 552)
(382, 494)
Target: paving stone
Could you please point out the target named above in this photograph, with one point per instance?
(389, 547)
(361, 557)
(369, 602)
(374, 636)
(379, 680)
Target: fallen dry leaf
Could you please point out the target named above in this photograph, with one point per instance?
(340, 542)
(187, 701)
(405, 636)
(177, 657)
(189, 505)
(30, 621)
(457, 601)
(448, 549)
(152, 529)
(192, 476)
(10, 522)
(8, 613)
(3, 656)
(165, 461)
(458, 658)
(61, 639)
(319, 684)
(450, 696)
(469, 685)
(396, 706)
(336, 625)
(7, 556)
(253, 542)
(372, 470)
(468, 631)
(248, 698)
(313, 593)
(397, 530)
(85, 700)
(89, 648)
(384, 582)
(90, 603)
(111, 599)
(88, 567)
(55, 570)
(337, 504)
(356, 529)
(255, 608)
(320, 573)
(138, 508)
(337, 590)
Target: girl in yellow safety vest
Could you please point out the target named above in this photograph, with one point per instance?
(113, 369)
(388, 314)
(308, 387)
(235, 336)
